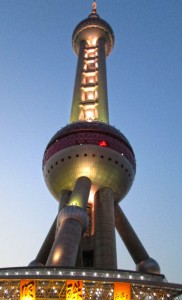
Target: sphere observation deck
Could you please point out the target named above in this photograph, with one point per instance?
(93, 149)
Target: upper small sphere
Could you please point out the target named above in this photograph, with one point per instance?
(92, 29)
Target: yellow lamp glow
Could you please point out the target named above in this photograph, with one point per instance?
(89, 114)
(122, 291)
(27, 290)
(91, 79)
(74, 290)
(90, 95)
(57, 254)
(94, 41)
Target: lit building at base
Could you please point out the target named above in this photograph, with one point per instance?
(62, 283)
(89, 166)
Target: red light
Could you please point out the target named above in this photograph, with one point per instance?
(103, 144)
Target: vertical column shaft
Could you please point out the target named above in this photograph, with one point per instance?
(80, 194)
(129, 237)
(75, 109)
(103, 114)
(104, 230)
(72, 222)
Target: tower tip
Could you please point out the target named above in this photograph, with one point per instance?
(94, 7)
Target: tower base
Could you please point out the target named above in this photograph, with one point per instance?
(61, 283)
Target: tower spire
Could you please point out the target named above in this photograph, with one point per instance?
(93, 40)
(94, 7)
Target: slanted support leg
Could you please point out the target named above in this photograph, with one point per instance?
(143, 262)
(45, 249)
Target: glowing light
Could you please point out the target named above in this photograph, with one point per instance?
(90, 73)
(94, 41)
(82, 95)
(103, 143)
(91, 196)
(122, 291)
(89, 88)
(74, 289)
(75, 202)
(27, 290)
(57, 255)
(89, 114)
(91, 61)
(91, 79)
(90, 95)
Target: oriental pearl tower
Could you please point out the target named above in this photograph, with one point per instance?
(89, 167)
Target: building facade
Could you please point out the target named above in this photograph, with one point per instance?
(88, 166)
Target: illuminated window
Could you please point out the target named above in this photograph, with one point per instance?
(89, 114)
(90, 95)
(82, 95)
(90, 79)
(91, 66)
(85, 67)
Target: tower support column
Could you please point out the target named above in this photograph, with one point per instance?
(102, 83)
(75, 109)
(72, 222)
(80, 194)
(104, 230)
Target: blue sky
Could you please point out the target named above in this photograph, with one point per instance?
(37, 70)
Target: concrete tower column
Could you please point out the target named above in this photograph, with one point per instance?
(45, 249)
(133, 244)
(72, 222)
(75, 109)
(102, 83)
(80, 194)
(104, 230)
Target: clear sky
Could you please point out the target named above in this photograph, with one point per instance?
(37, 70)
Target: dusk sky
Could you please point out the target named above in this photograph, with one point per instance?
(144, 72)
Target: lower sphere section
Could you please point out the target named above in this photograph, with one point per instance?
(103, 166)
(92, 149)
